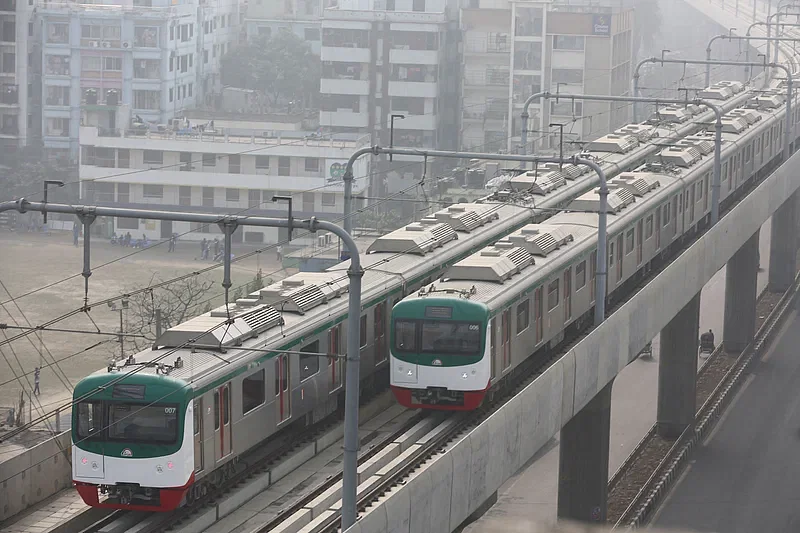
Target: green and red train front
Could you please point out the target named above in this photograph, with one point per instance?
(440, 356)
(132, 440)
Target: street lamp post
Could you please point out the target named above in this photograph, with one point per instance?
(391, 130)
(287, 199)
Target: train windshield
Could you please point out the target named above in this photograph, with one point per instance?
(437, 337)
(146, 423)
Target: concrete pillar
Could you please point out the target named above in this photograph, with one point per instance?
(783, 246)
(583, 462)
(740, 297)
(677, 371)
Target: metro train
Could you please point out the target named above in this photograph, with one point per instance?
(454, 342)
(162, 427)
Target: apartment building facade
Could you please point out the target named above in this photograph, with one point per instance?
(150, 59)
(515, 48)
(219, 173)
(266, 18)
(17, 71)
(391, 57)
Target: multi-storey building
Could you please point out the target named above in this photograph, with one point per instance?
(17, 62)
(153, 58)
(515, 48)
(390, 57)
(265, 18)
(221, 173)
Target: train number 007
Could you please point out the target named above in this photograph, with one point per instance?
(169, 410)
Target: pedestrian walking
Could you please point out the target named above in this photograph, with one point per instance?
(36, 381)
(76, 232)
(206, 248)
(279, 251)
(128, 239)
(203, 245)
(172, 240)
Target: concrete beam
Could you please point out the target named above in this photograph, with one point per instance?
(740, 297)
(583, 461)
(783, 246)
(677, 371)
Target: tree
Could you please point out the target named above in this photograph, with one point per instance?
(283, 68)
(22, 173)
(178, 302)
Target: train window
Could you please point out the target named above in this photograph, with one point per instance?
(226, 405)
(309, 364)
(253, 391)
(441, 337)
(699, 192)
(216, 410)
(666, 213)
(363, 331)
(523, 316)
(90, 419)
(552, 295)
(146, 423)
(196, 414)
(379, 320)
(629, 242)
(580, 275)
(405, 336)
(680, 203)
(648, 227)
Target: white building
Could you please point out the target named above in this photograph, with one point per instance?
(152, 58)
(219, 173)
(515, 48)
(266, 18)
(16, 48)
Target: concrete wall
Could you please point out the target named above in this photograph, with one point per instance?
(440, 496)
(34, 475)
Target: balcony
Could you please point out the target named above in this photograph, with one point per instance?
(344, 85)
(344, 118)
(413, 89)
(493, 44)
(416, 57)
(488, 78)
(345, 54)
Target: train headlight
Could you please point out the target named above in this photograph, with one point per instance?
(464, 375)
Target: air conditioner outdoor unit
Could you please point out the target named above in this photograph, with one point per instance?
(94, 44)
(106, 44)
(126, 44)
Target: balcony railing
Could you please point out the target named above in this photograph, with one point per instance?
(491, 78)
(490, 45)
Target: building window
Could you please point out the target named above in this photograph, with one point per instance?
(153, 157)
(568, 75)
(147, 69)
(566, 108)
(231, 195)
(552, 295)
(312, 164)
(57, 95)
(145, 36)
(328, 199)
(234, 163)
(523, 316)
(123, 158)
(284, 166)
(56, 33)
(184, 195)
(128, 223)
(568, 42)
(153, 191)
(209, 160)
(308, 201)
(262, 162)
(123, 193)
(113, 64)
(208, 197)
(57, 127)
(54, 65)
(170, 94)
(309, 364)
(418, 5)
(580, 275)
(253, 391)
(147, 100)
(254, 198)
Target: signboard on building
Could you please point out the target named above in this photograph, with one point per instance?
(334, 174)
(601, 24)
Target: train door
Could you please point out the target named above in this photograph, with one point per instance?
(380, 333)
(639, 241)
(567, 293)
(222, 420)
(197, 409)
(621, 254)
(282, 396)
(538, 307)
(658, 229)
(493, 346)
(335, 363)
(506, 325)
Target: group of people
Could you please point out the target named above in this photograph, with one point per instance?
(206, 246)
(127, 241)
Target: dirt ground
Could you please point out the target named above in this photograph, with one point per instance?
(29, 261)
